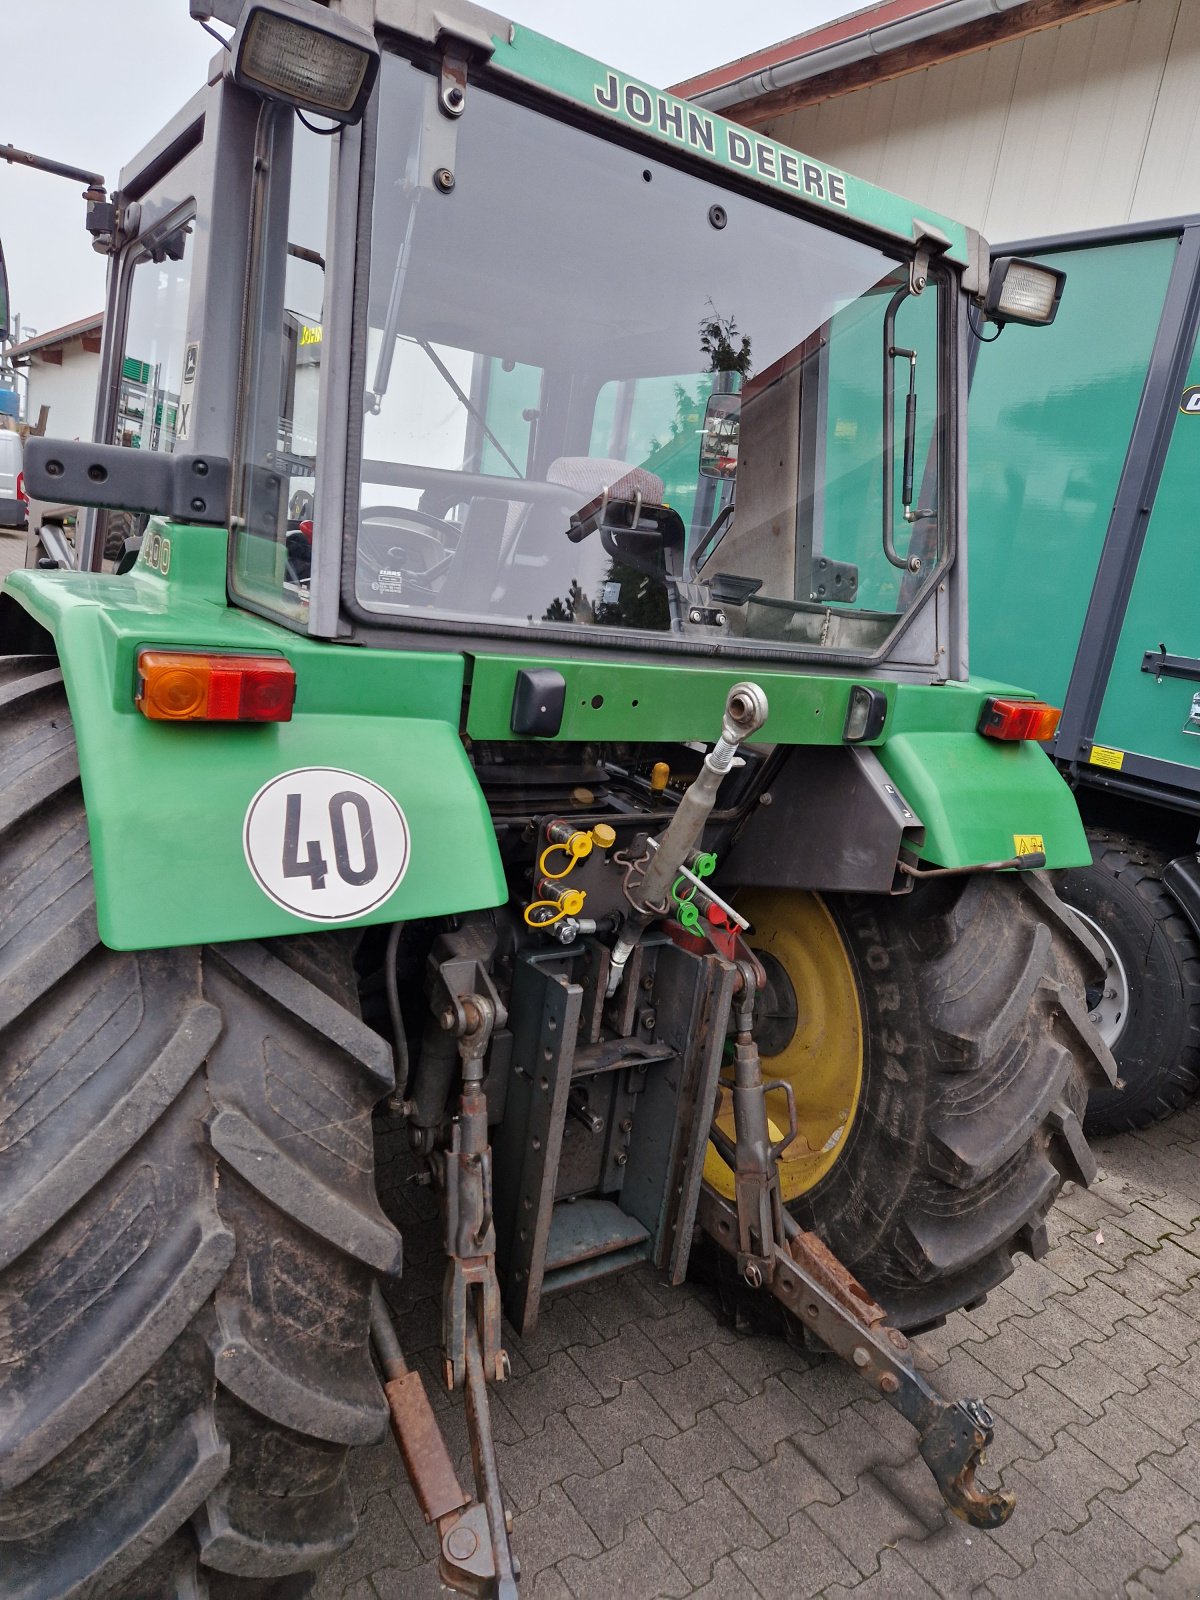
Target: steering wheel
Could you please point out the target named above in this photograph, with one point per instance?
(402, 551)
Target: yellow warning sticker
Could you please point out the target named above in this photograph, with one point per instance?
(1102, 756)
(1024, 844)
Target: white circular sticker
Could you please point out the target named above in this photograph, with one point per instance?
(325, 844)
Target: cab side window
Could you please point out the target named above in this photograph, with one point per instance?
(276, 473)
(152, 390)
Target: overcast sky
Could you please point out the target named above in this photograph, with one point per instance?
(89, 82)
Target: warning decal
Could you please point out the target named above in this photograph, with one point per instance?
(1027, 844)
(1102, 756)
(325, 844)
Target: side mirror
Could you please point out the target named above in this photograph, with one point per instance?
(719, 439)
(1022, 291)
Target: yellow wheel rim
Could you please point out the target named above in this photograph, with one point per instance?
(823, 1060)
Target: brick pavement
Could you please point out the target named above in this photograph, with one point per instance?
(648, 1450)
(12, 550)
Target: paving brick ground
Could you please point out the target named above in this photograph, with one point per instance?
(12, 550)
(648, 1450)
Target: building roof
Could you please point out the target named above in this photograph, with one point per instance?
(882, 41)
(56, 338)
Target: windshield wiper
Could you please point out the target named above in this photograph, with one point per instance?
(466, 401)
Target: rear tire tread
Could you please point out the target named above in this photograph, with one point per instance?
(970, 1119)
(158, 1275)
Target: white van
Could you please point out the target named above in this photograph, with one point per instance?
(13, 504)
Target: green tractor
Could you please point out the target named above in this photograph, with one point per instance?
(537, 718)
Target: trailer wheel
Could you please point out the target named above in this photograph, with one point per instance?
(188, 1226)
(1147, 1007)
(940, 1058)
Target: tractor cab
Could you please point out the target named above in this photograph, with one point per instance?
(549, 324)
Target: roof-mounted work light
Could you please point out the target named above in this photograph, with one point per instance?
(300, 52)
(1023, 291)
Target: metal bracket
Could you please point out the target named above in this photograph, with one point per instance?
(452, 84)
(1163, 665)
(918, 272)
(187, 488)
(833, 580)
(931, 241)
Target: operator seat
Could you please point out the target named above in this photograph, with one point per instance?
(518, 569)
(539, 563)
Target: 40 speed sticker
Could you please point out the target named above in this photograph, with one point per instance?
(325, 844)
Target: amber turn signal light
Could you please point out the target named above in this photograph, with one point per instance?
(1018, 719)
(187, 686)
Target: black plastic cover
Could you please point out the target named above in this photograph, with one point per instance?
(539, 697)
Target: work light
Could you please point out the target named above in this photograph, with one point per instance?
(296, 51)
(1023, 291)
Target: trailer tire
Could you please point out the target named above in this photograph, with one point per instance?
(188, 1226)
(1149, 1012)
(976, 1058)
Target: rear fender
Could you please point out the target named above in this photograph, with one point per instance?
(181, 852)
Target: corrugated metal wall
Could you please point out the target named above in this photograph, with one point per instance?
(1089, 124)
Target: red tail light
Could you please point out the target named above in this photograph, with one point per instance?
(21, 495)
(186, 686)
(1018, 719)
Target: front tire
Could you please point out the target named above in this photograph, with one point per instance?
(1147, 1006)
(188, 1226)
(976, 1056)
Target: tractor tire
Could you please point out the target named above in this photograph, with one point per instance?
(188, 1226)
(976, 1057)
(1147, 1007)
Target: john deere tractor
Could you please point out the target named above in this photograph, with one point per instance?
(538, 716)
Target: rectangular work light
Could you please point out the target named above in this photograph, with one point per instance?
(297, 51)
(1023, 291)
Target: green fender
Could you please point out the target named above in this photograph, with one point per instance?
(167, 802)
(981, 800)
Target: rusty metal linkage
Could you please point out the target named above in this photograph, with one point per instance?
(476, 1554)
(465, 1176)
(772, 1251)
(474, 1557)
(1024, 863)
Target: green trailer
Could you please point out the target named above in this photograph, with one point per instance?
(536, 728)
(1084, 479)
